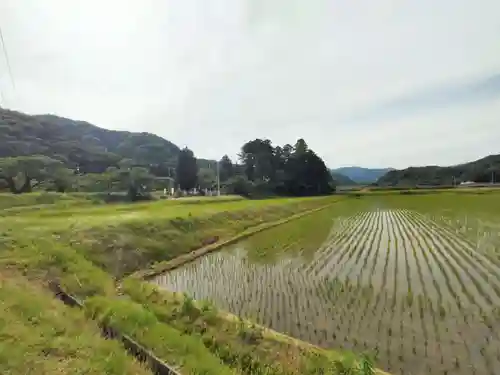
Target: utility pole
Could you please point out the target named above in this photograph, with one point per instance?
(77, 178)
(218, 179)
(171, 181)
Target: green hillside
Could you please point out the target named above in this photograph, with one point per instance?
(362, 175)
(79, 143)
(341, 180)
(483, 171)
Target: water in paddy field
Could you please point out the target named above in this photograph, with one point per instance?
(415, 291)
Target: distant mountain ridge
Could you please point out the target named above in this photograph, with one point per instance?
(483, 170)
(79, 143)
(341, 180)
(362, 175)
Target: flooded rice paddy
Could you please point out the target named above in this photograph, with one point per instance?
(413, 289)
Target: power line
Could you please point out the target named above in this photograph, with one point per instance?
(9, 69)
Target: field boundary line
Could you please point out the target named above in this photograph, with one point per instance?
(161, 267)
(142, 354)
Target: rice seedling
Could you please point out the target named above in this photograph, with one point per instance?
(401, 273)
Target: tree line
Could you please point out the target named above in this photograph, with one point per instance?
(264, 169)
(261, 169)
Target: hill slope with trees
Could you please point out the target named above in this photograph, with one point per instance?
(483, 170)
(362, 175)
(79, 143)
(341, 180)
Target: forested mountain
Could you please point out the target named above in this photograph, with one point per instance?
(341, 180)
(362, 175)
(482, 170)
(79, 143)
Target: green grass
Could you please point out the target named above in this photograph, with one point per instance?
(296, 237)
(146, 237)
(40, 335)
(45, 259)
(86, 247)
(34, 201)
(183, 351)
(89, 247)
(48, 260)
(367, 191)
(242, 345)
(63, 218)
(473, 215)
(302, 236)
(461, 202)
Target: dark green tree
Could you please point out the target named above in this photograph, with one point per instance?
(284, 170)
(23, 173)
(257, 157)
(63, 179)
(239, 185)
(306, 173)
(139, 182)
(187, 170)
(300, 147)
(207, 178)
(226, 168)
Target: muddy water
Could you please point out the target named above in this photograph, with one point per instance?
(385, 280)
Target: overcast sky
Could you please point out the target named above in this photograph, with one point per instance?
(374, 83)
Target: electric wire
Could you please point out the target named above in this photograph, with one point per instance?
(7, 60)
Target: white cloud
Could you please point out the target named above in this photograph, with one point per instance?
(212, 75)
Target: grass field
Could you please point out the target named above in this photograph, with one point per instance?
(39, 335)
(88, 247)
(414, 279)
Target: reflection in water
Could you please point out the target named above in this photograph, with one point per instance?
(368, 280)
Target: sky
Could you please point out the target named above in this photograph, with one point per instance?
(374, 83)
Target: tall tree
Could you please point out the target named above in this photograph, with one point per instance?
(307, 174)
(284, 170)
(226, 169)
(187, 170)
(300, 147)
(257, 157)
(287, 151)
